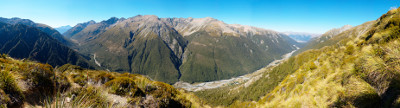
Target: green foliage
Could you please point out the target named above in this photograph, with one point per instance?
(42, 76)
(4, 56)
(209, 58)
(349, 49)
(4, 99)
(88, 97)
(41, 85)
(8, 85)
(124, 86)
(104, 77)
(68, 66)
(357, 68)
(163, 90)
(259, 88)
(80, 79)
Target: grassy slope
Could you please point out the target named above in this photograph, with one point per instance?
(31, 84)
(357, 68)
(271, 78)
(358, 71)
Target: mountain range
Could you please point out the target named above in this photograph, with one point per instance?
(45, 28)
(37, 42)
(301, 37)
(351, 66)
(179, 49)
(324, 39)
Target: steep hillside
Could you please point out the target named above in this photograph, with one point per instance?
(360, 70)
(186, 49)
(142, 45)
(45, 28)
(29, 84)
(21, 41)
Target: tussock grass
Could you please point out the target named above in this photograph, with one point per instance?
(357, 68)
(72, 86)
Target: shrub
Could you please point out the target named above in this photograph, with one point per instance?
(313, 66)
(4, 56)
(349, 49)
(104, 77)
(62, 83)
(88, 97)
(79, 79)
(124, 86)
(4, 99)
(163, 90)
(42, 77)
(65, 67)
(9, 86)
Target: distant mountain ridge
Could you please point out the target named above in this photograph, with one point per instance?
(301, 37)
(27, 42)
(77, 28)
(63, 29)
(185, 49)
(45, 28)
(324, 39)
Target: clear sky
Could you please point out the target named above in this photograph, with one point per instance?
(313, 16)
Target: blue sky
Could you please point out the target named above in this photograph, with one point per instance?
(313, 16)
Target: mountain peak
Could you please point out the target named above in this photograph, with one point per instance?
(345, 27)
(86, 23)
(112, 20)
(146, 17)
(16, 20)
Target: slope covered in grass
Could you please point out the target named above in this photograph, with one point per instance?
(29, 84)
(356, 68)
(360, 70)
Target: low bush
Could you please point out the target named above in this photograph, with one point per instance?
(9, 86)
(4, 99)
(104, 77)
(124, 86)
(88, 97)
(65, 67)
